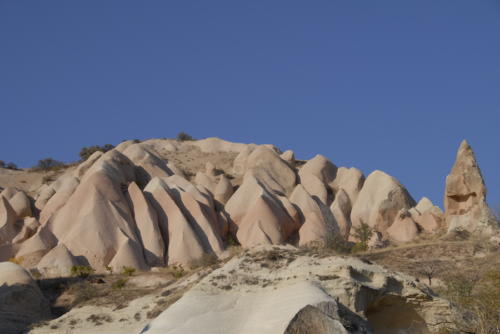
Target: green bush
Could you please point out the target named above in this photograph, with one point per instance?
(82, 271)
(119, 284)
(204, 261)
(177, 271)
(128, 271)
(48, 164)
(182, 136)
(362, 233)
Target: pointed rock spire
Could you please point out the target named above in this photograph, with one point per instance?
(465, 194)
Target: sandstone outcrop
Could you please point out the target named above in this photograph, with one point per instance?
(21, 205)
(351, 180)
(276, 290)
(465, 196)
(379, 202)
(404, 228)
(57, 262)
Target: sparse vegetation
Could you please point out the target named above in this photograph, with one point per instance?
(182, 136)
(177, 271)
(49, 164)
(363, 233)
(8, 165)
(82, 271)
(119, 284)
(128, 271)
(87, 151)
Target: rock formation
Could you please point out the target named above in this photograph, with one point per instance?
(292, 294)
(465, 195)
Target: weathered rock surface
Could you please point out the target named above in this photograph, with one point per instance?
(280, 291)
(379, 202)
(21, 301)
(404, 228)
(465, 195)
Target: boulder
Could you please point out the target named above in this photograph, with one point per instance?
(149, 232)
(465, 195)
(8, 192)
(29, 227)
(424, 205)
(404, 228)
(57, 262)
(8, 217)
(315, 187)
(33, 249)
(288, 156)
(431, 220)
(349, 179)
(65, 189)
(21, 205)
(320, 167)
(224, 190)
(379, 202)
(318, 223)
(341, 210)
(21, 301)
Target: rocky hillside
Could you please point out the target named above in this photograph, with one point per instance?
(161, 202)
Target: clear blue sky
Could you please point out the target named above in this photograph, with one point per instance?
(391, 85)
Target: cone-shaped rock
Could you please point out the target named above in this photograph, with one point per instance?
(58, 262)
(379, 202)
(8, 228)
(97, 218)
(64, 191)
(341, 210)
(318, 221)
(44, 196)
(315, 187)
(130, 255)
(205, 181)
(147, 225)
(21, 205)
(465, 195)
(265, 223)
(288, 156)
(184, 245)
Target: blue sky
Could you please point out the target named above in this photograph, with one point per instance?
(388, 84)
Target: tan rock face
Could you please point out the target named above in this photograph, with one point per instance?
(270, 169)
(465, 195)
(58, 262)
(21, 204)
(320, 167)
(404, 228)
(8, 217)
(349, 179)
(341, 210)
(149, 232)
(223, 190)
(379, 202)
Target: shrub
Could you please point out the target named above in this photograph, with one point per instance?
(363, 233)
(177, 271)
(182, 136)
(86, 152)
(2, 164)
(109, 270)
(359, 247)
(119, 284)
(336, 243)
(82, 271)
(48, 163)
(128, 271)
(10, 165)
